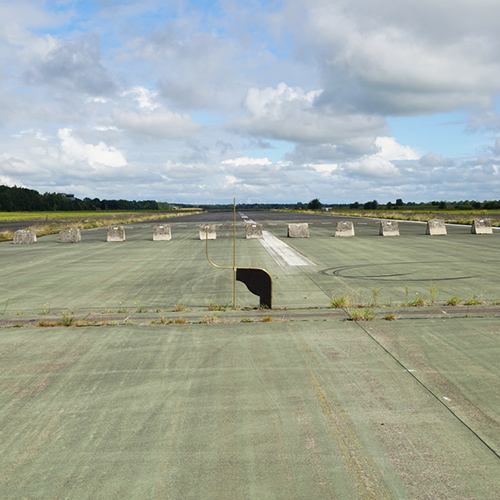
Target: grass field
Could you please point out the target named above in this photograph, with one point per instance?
(8, 216)
(45, 223)
(423, 214)
(156, 390)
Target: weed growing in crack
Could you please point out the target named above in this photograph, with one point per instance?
(341, 302)
(454, 301)
(217, 307)
(361, 315)
(390, 317)
(418, 301)
(44, 312)
(179, 321)
(210, 319)
(434, 292)
(474, 301)
(67, 320)
(375, 294)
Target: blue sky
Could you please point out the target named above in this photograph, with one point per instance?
(442, 133)
(190, 101)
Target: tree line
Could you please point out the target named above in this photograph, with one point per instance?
(19, 199)
(442, 205)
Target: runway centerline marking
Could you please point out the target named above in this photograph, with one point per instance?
(283, 254)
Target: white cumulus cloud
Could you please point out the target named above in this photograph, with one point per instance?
(292, 114)
(75, 150)
(408, 58)
(391, 150)
(158, 124)
(238, 162)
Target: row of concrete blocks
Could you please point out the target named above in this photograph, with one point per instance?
(434, 227)
(73, 235)
(253, 231)
(386, 228)
(117, 233)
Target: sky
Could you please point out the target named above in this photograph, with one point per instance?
(190, 101)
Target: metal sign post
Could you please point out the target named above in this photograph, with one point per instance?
(257, 280)
(234, 253)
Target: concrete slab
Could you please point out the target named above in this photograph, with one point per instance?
(389, 228)
(344, 229)
(25, 237)
(162, 232)
(294, 410)
(208, 231)
(435, 227)
(298, 230)
(116, 233)
(72, 235)
(253, 230)
(459, 265)
(375, 409)
(481, 226)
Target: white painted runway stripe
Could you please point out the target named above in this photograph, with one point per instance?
(281, 252)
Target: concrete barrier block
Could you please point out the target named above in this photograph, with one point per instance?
(116, 233)
(24, 236)
(345, 228)
(389, 228)
(212, 233)
(253, 230)
(481, 226)
(298, 230)
(162, 232)
(435, 227)
(71, 235)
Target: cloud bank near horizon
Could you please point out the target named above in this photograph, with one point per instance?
(200, 102)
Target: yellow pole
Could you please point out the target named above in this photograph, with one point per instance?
(234, 253)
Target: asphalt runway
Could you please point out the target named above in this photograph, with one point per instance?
(15, 225)
(125, 372)
(261, 216)
(214, 216)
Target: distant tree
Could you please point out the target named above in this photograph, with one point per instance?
(314, 204)
(389, 205)
(28, 200)
(371, 205)
(92, 204)
(354, 205)
(399, 202)
(163, 205)
(488, 205)
(6, 203)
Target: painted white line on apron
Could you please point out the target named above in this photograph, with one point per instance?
(281, 252)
